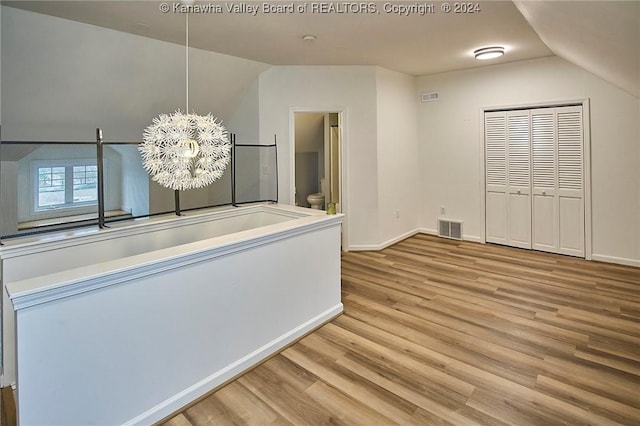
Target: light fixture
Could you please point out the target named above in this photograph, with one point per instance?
(308, 37)
(185, 151)
(488, 53)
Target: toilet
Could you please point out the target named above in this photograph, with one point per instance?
(316, 201)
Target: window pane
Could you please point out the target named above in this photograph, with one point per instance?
(85, 187)
(50, 186)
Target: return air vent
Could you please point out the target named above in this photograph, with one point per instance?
(429, 96)
(450, 229)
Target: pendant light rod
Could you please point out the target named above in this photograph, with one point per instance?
(187, 61)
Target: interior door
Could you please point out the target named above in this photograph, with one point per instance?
(518, 179)
(570, 181)
(545, 176)
(535, 179)
(496, 176)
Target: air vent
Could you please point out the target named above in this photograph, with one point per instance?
(429, 96)
(450, 229)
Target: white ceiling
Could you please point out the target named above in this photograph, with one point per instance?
(418, 45)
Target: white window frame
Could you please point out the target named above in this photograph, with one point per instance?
(69, 207)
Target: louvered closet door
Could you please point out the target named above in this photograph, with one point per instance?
(495, 136)
(545, 178)
(518, 179)
(570, 181)
(535, 179)
(558, 190)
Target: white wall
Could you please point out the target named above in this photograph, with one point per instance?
(62, 79)
(450, 145)
(244, 120)
(351, 89)
(398, 177)
(8, 197)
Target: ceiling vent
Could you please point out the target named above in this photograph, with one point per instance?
(429, 96)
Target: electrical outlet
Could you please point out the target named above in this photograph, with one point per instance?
(443, 211)
(397, 214)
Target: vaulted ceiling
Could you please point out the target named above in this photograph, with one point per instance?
(602, 37)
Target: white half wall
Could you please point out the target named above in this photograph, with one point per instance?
(450, 144)
(351, 89)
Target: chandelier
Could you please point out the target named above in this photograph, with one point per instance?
(184, 150)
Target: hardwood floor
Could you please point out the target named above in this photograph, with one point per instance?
(441, 332)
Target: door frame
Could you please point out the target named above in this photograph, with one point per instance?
(586, 129)
(342, 126)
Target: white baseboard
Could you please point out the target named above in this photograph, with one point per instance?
(614, 259)
(392, 241)
(176, 402)
(376, 247)
(428, 231)
(475, 239)
(471, 238)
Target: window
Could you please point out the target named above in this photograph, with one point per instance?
(64, 185)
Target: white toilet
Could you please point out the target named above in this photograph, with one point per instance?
(316, 201)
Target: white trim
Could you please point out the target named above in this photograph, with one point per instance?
(384, 245)
(428, 231)
(586, 124)
(614, 259)
(483, 190)
(434, 232)
(220, 377)
(44, 289)
(392, 241)
(53, 241)
(586, 163)
(344, 174)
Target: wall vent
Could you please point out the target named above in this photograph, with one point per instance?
(450, 229)
(429, 96)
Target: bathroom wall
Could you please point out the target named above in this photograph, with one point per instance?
(306, 176)
(309, 145)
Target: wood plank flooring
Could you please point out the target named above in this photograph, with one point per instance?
(442, 332)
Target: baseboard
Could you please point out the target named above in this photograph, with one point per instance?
(392, 241)
(471, 238)
(175, 403)
(428, 231)
(381, 246)
(614, 259)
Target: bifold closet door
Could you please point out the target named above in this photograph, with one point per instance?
(544, 149)
(508, 182)
(534, 179)
(519, 178)
(495, 136)
(558, 183)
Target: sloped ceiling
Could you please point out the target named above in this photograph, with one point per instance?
(602, 37)
(415, 43)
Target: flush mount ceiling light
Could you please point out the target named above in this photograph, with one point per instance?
(309, 37)
(185, 151)
(488, 53)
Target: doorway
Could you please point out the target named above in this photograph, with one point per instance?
(317, 160)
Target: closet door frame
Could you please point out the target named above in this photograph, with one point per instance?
(586, 114)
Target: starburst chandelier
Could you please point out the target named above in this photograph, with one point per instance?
(185, 151)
